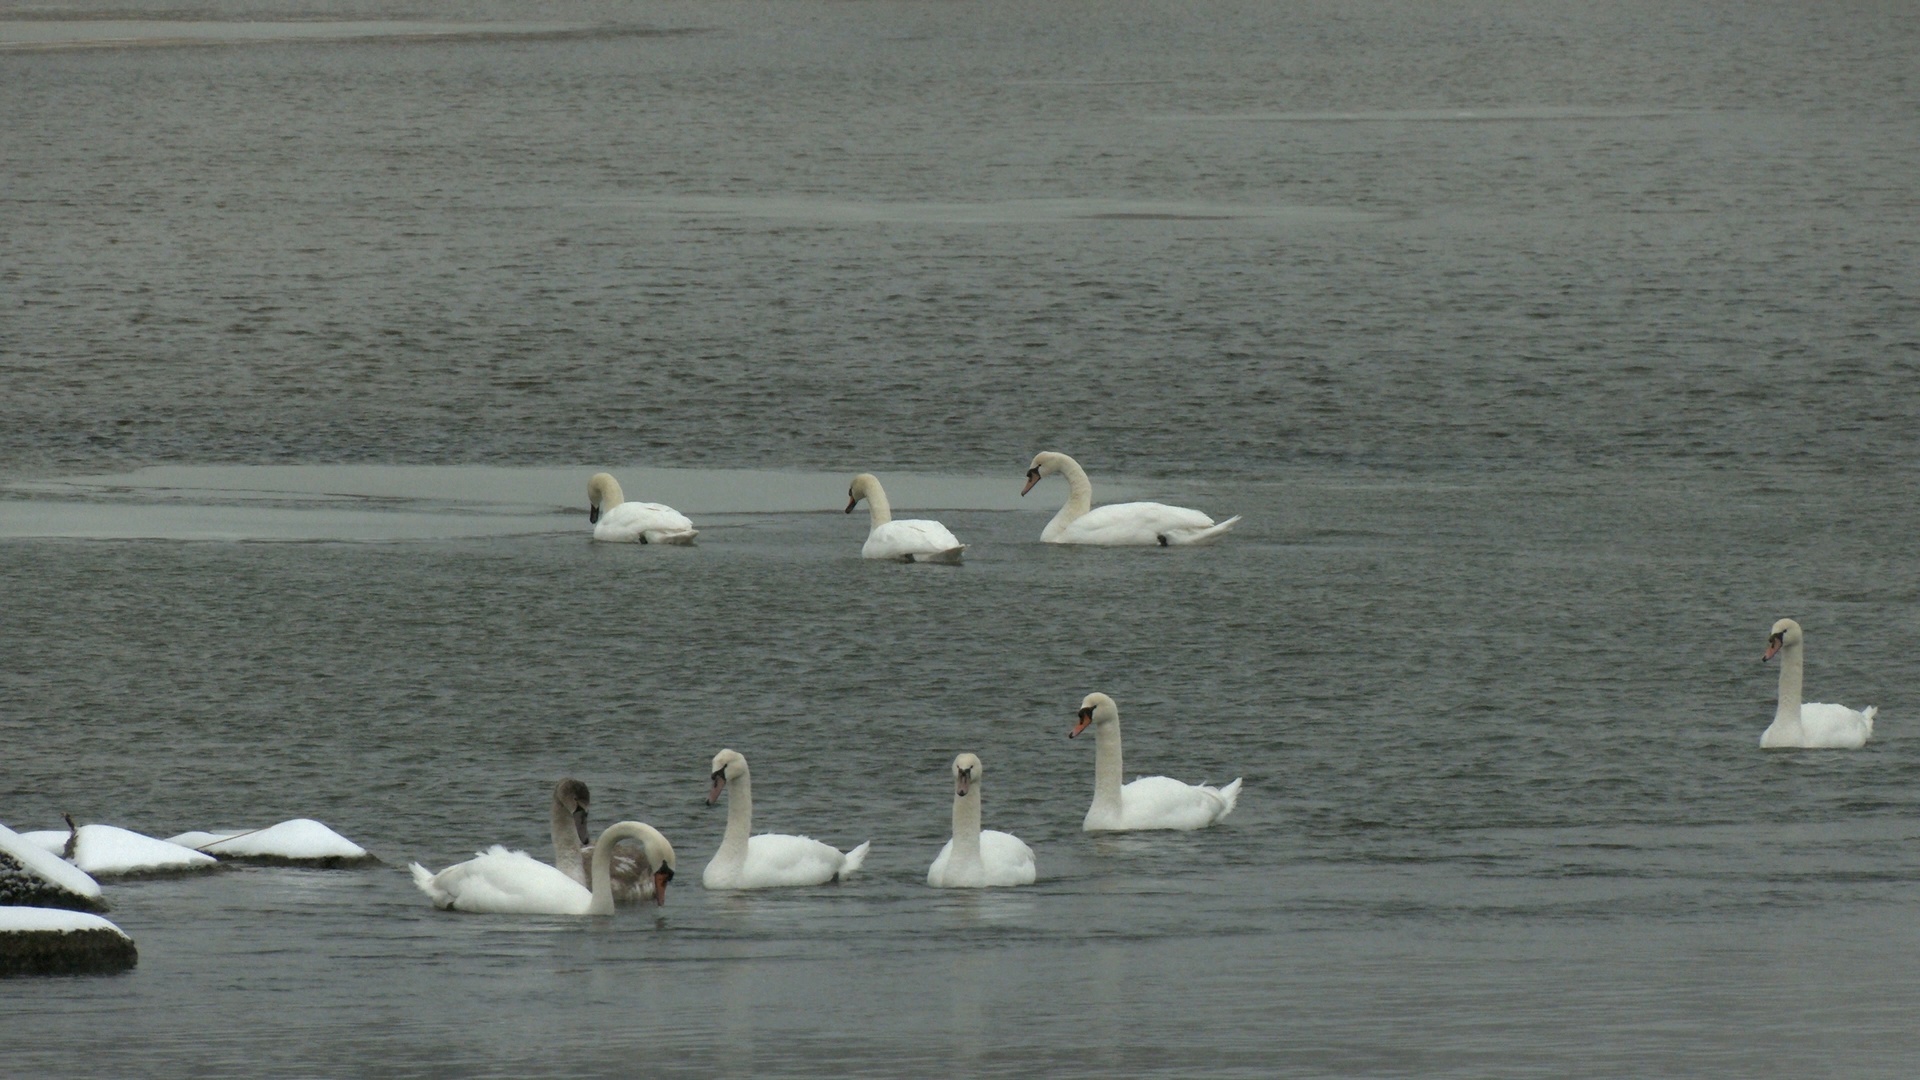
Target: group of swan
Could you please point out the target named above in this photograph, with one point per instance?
(587, 879)
(1132, 524)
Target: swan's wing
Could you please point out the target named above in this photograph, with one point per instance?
(1134, 524)
(504, 882)
(937, 873)
(1836, 726)
(1161, 802)
(777, 859)
(630, 875)
(648, 522)
(1008, 859)
(912, 540)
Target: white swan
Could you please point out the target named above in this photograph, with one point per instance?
(913, 540)
(1151, 802)
(503, 882)
(975, 859)
(1141, 524)
(770, 860)
(1812, 725)
(614, 518)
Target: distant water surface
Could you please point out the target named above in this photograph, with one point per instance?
(1550, 351)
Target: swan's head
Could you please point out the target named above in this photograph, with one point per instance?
(1785, 635)
(863, 487)
(1095, 708)
(1045, 463)
(727, 765)
(603, 491)
(660, 857)
(571, 797)
(966, 775)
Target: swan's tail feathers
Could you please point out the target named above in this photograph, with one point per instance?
(1868, 713)
(683, 537)
(1200, 536)
(852, 861)
(1230, 796)
(947, 557)
(423, 878)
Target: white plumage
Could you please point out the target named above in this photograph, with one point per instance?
(615, 519)
(1151, 802)
(1132, 524)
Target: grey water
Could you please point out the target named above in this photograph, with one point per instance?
(1551, 352)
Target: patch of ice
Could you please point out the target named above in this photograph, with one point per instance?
(50, 867)
(301, 838)
(42, 919)
(107, 850)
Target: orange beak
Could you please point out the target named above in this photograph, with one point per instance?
(1773, 646)
(719, 785)
(660, 880)
(1033, 477)
(1086, 717)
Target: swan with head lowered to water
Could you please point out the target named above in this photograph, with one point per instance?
(976, 858)
(1810, 726)
(770, 860)
(503, 882)
(1131, 524)
(614, 518)
(1151, 802)
(911, 540)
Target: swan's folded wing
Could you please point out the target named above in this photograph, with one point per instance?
(911, 539)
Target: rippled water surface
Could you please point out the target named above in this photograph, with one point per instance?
(1550, 352)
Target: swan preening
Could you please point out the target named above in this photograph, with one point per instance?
(975, 859)
(632, 879)
(913, 540)
(1151, 802)
(1135, 524)
(770, 860)
(503, 882)
(1811, 725)
(613, 518)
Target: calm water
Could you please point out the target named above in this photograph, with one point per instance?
(1550, 351)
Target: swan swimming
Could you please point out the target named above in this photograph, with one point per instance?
(573, 852)
(973, 858)
(614, 518)
(1812, 725)
(502, 882)
(1138, 524)
(912, 540)
(1151, 802)
(770, 860)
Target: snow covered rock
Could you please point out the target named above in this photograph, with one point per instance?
(300, 842)
(108, 851)
(30, 877)
(56, 941)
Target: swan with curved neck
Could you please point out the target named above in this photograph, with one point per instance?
(1812, 725)
(975, 858)
(505, 882)
(770, 860)
(910, 540)
(1151, 802)
(614, 518)
(1130, 524)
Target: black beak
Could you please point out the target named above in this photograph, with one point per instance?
(580, 823)
(593, 515)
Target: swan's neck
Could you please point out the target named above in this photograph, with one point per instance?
(1079, 492)
(733, 848)
(1790, 675)
(603, 863)
(879, 510)
(611, 495)
(966, 829)
(1106, 767)
(566, 844)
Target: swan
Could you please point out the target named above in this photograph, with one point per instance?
(903, 541)
(572, 849)
(502, 882)
(770, 860)
(974, 858)
(1151, 802)
(1813, 725)
(1117, 524)
(614, 518)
